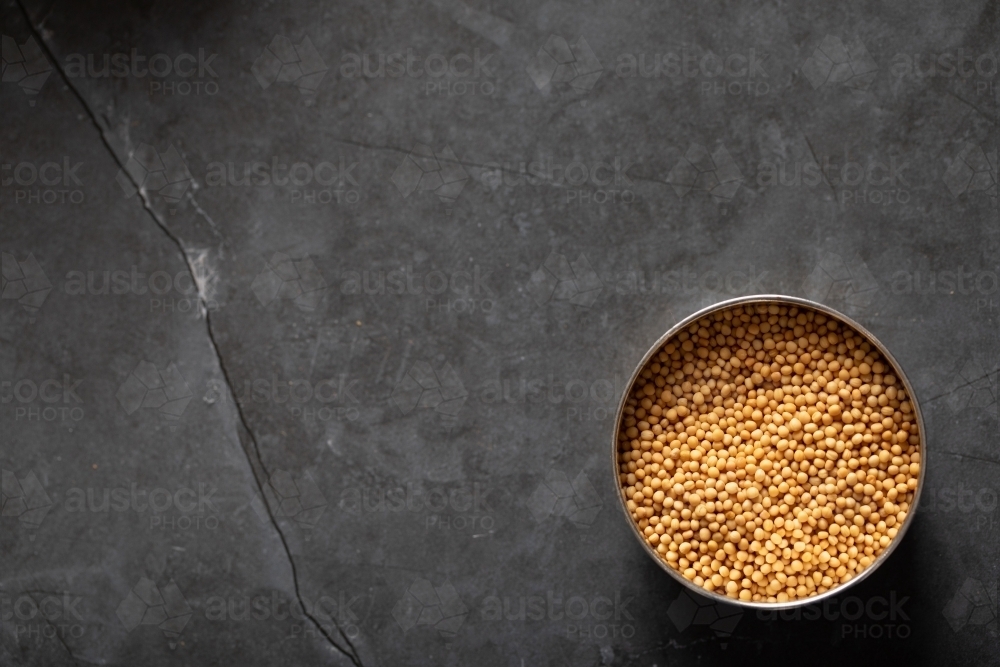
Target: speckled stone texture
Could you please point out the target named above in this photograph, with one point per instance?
(315, 316)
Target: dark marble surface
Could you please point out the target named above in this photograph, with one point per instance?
(328, 307)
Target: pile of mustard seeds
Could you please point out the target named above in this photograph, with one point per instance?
(768, 453)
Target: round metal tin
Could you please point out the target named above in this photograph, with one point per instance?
(768, 299)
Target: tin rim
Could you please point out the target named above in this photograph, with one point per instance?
(769, 299)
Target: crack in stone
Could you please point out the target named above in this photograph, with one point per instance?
(972, 106)
(974, 458)
(816, 160)
(350, 652)
(961, 386)
(58, 636)
(200, 211)
(55, 630)
(670, 643)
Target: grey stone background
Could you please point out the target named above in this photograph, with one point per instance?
(374, 374)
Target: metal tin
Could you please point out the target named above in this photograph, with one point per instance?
(769, 299)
